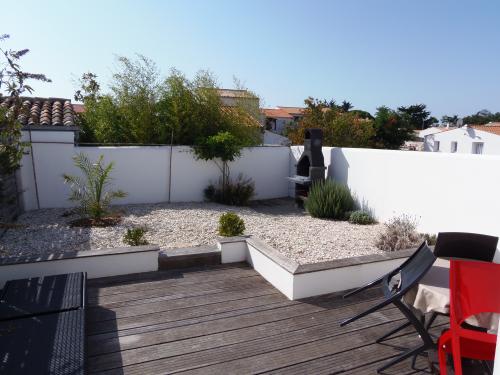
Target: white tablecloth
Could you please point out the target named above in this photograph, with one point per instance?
(433, 295)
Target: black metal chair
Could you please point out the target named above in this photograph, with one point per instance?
(378, 281)
(410, 273)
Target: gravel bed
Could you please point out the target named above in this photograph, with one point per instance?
(282, 226)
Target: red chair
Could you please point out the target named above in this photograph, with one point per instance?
(473, 290)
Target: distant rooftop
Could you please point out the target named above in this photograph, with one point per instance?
(283, 112)
(43, 111)
(232, 93)
(493, 128)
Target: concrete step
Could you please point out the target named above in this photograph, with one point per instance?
(188, 257)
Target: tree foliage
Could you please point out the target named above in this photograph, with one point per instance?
(482, 117)
(14, 82)
(340, 128)
(392, 129)
(417, 116)
(222, 146)
(144, 108)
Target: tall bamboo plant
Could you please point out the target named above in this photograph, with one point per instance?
(92, 190)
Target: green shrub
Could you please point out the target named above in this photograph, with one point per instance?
(400, 233)
(135, 237)
(92, 190)
(329, 199)
(231, 225)
(361, 217)
(236, 193)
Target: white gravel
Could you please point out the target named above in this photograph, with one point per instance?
(277, 222)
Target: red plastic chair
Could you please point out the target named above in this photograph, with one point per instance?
(473, 290)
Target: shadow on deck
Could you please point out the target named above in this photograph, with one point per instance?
(228, 319)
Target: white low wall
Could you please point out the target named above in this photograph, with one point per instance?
(143, 171)
(96, 263)
(286, 275)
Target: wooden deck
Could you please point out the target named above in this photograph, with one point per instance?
(228, 320)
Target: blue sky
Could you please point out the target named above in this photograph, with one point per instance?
(445, 54)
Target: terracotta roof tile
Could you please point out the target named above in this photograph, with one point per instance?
(494, 129)
(294, 111)
(43, 111)
(276, 113)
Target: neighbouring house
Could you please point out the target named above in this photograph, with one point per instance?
(468, 139)
(277, 119)
(417, 144)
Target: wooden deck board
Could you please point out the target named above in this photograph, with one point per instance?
(227, 319)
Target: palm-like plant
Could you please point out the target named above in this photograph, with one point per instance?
(92, 189)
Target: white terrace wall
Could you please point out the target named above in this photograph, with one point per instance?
(143, 171)
(445, 192)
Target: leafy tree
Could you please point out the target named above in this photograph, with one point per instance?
(143, 108)
(416, 115)
(362, 114)
(452, 120)
(482, 117)
(346, 106)
(431, 121)
(341, 129)
(91, 191)
(223, 146)
(13, 80)
(392, 129)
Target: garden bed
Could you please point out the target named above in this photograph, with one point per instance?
(277, 222)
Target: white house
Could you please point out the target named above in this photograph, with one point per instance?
(276, 119)
(474, 139)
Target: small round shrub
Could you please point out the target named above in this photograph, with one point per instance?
(135, 236)
(329, 200)
(361, 217)
(231, 225)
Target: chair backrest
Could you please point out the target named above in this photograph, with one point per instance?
(414, 270)
(410, 272)
(473, 289)
(466, 246)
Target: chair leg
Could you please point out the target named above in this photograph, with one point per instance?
(442, 359)
(402, 357)
(431, 320)
(390, 333)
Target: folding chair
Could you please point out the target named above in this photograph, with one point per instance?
(410, 272)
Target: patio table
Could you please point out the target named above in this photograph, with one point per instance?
(433, 295)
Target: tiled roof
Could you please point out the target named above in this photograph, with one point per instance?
(78, 108)
(43, 111)
(294, 111)
(276, 113)
(494, 129)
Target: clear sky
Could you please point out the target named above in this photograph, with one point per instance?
(443, 53)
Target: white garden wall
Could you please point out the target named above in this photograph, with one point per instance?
(143, 171)
(445, 192)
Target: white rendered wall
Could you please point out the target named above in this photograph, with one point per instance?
(464, 137)
(143, 171)
(445, 192)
